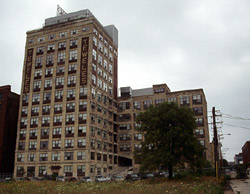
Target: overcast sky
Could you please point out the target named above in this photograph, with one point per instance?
(187, 44)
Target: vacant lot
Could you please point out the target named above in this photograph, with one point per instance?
(201, 185)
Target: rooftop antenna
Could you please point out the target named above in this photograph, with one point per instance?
(60, 11)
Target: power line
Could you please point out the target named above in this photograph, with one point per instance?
(237, 126)
(234, 117)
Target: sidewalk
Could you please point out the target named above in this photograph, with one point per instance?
(240, 186)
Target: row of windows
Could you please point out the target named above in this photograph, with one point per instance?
(68, 170)
(71, 94)
(72, 68)
(57, 131)
(55, 156)
(69, 119)
(56, 144)
(58, 108)
(184, 100)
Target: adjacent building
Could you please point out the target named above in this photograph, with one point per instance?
(238, 159)
(132, 102)
(246, 153)
(9, 104)
(67, 123)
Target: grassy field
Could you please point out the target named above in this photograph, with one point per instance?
(200, 185)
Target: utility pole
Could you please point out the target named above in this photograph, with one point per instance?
(215, 140)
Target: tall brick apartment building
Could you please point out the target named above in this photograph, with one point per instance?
(68, 101)
(9, 104)
(68, 119)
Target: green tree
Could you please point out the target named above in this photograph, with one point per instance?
(169, 139)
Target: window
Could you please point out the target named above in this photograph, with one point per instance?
(172, 99)
(59, 82)
(82, 117)
(138, 136)
(73, 56)
(105, 51)
(55, 156)
(83, 93)
(110, 69)
(69, 143)
(31, 171)
(51, 36)
(80, 170)
(31, 157)
(147, 103)
(199, 121)
(184, 100)
(73, 32)
(85, 29)
(68, 156)
(48, 82)
(202, 142)
(37, 85)
(38, 63)
(62, 34)
(199, 132)
(159, 101)
(100, 46)
(20, 157)
(44, 133)
(93, 67)
(70, 118)
(39, 50)
(58, 95)
(48, 73)
(92, 143)
(61, 57)
(94, 54)
(137, 105)
(58, 120)
(20, 171)
(60, 70)
(30, 41)
(34, 110)
(61, 46)
(44, 144)
(138, 146)
(197, 99)
(72, 80)
(46, 97)
(57, 131)
(93, 92)
(105, 64)
(82, 106)
(198, 111)
(43, 157)
(95, 41)
(99, 72)
(125, 127)
(42, 170)
(73, 43)
(56, 144)
(41, 39)
(99, 60)
(93, 79)
(92, 168)
(58, 108)
(125, 137)
(110, 80)
(51, 47)
(32, 145)
(46, 109)
(33, 134)
(45, 121)
(33, 122)
(124, 148)
(82, 130)
(68, 170)
(69, 131)
(72, 68)
(105, 87)
(70, 107)
(38, 74)
(35, 98)
(81, 143)
(25, 100)
(22, 134)
(21, 145)
(71, 94)
(99, 83)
